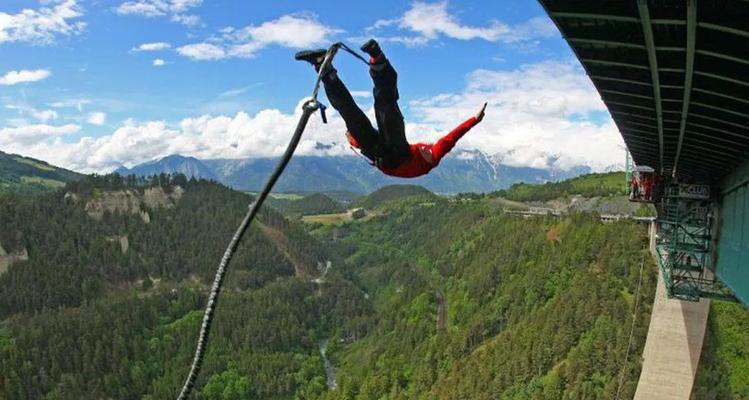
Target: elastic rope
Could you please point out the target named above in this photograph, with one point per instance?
(370, 162)
(353, 53)
(309, 107)
(631, 331)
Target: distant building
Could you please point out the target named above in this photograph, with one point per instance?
(357, 213)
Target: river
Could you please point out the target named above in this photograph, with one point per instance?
(329, 369)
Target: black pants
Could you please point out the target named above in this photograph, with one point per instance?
(389, 146)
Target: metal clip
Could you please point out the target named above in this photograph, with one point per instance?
(322, 113)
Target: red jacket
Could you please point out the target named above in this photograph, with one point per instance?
(417, 164)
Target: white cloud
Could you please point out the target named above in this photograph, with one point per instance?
(155, 46)
(23, 76)
(239, 91)
(541, 115)
(175, 9)
(186, 19)
(40, 27)
(202, 51)
(71, 103)
(536, 113)
(97, 118)
(293, 31)
(41, 115)
(242, 135)
(157, 8)
(159, 62)
(44, 115)
(366, 94)
(180, 6)
(429, 21)
(28, 135)
(410, 41)
(537, 27)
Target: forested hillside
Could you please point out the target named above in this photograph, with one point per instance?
(316, 203)
(26, 175)
(590, 185)
(436, 299)
(724, 364)
(536, 308)
(87, 317)
(393, 192)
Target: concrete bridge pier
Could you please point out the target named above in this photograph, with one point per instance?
(674, 344)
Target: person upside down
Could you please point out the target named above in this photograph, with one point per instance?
(386, 147)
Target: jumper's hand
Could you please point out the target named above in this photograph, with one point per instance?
(481, 113)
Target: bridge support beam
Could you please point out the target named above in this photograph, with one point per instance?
(689, 68)
(674, 343)
(647, 31)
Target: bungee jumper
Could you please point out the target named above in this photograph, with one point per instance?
(388, 150)
(386, 147)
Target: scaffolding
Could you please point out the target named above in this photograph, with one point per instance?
(628, 166)
(685, 243)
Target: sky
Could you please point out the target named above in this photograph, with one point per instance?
(91, 85)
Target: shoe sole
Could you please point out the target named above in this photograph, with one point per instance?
(310, 55)
(370, 43)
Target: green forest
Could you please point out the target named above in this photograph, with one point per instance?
(536, 308)
(83, 319)
(724, 364)
(392, 192)
(436, 299)
(315, 203)
(26, 175)
(602, 184)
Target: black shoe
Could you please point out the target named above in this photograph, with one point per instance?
(372, 48)
(314, 57)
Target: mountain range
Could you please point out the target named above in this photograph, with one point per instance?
(466, 171)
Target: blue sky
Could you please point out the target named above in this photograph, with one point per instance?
(93, 84)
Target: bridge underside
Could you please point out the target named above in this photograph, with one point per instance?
(674, 75)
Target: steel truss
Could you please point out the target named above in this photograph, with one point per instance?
(684, 245)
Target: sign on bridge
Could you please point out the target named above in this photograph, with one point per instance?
(694, 191)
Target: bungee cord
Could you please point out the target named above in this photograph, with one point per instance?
(308, 108)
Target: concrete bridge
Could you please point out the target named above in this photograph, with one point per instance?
(541, 211)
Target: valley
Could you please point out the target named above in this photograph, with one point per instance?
(421, 297)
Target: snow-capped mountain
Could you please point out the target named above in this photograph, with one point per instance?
(463, 171)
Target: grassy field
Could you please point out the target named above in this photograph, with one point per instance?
(280, 196)
(43, 181)
(4, 263)
(327, 219)
(390, 193)
(339, 218)
(502, 202)
(286, 196)
(29, 176)
(34, 164)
